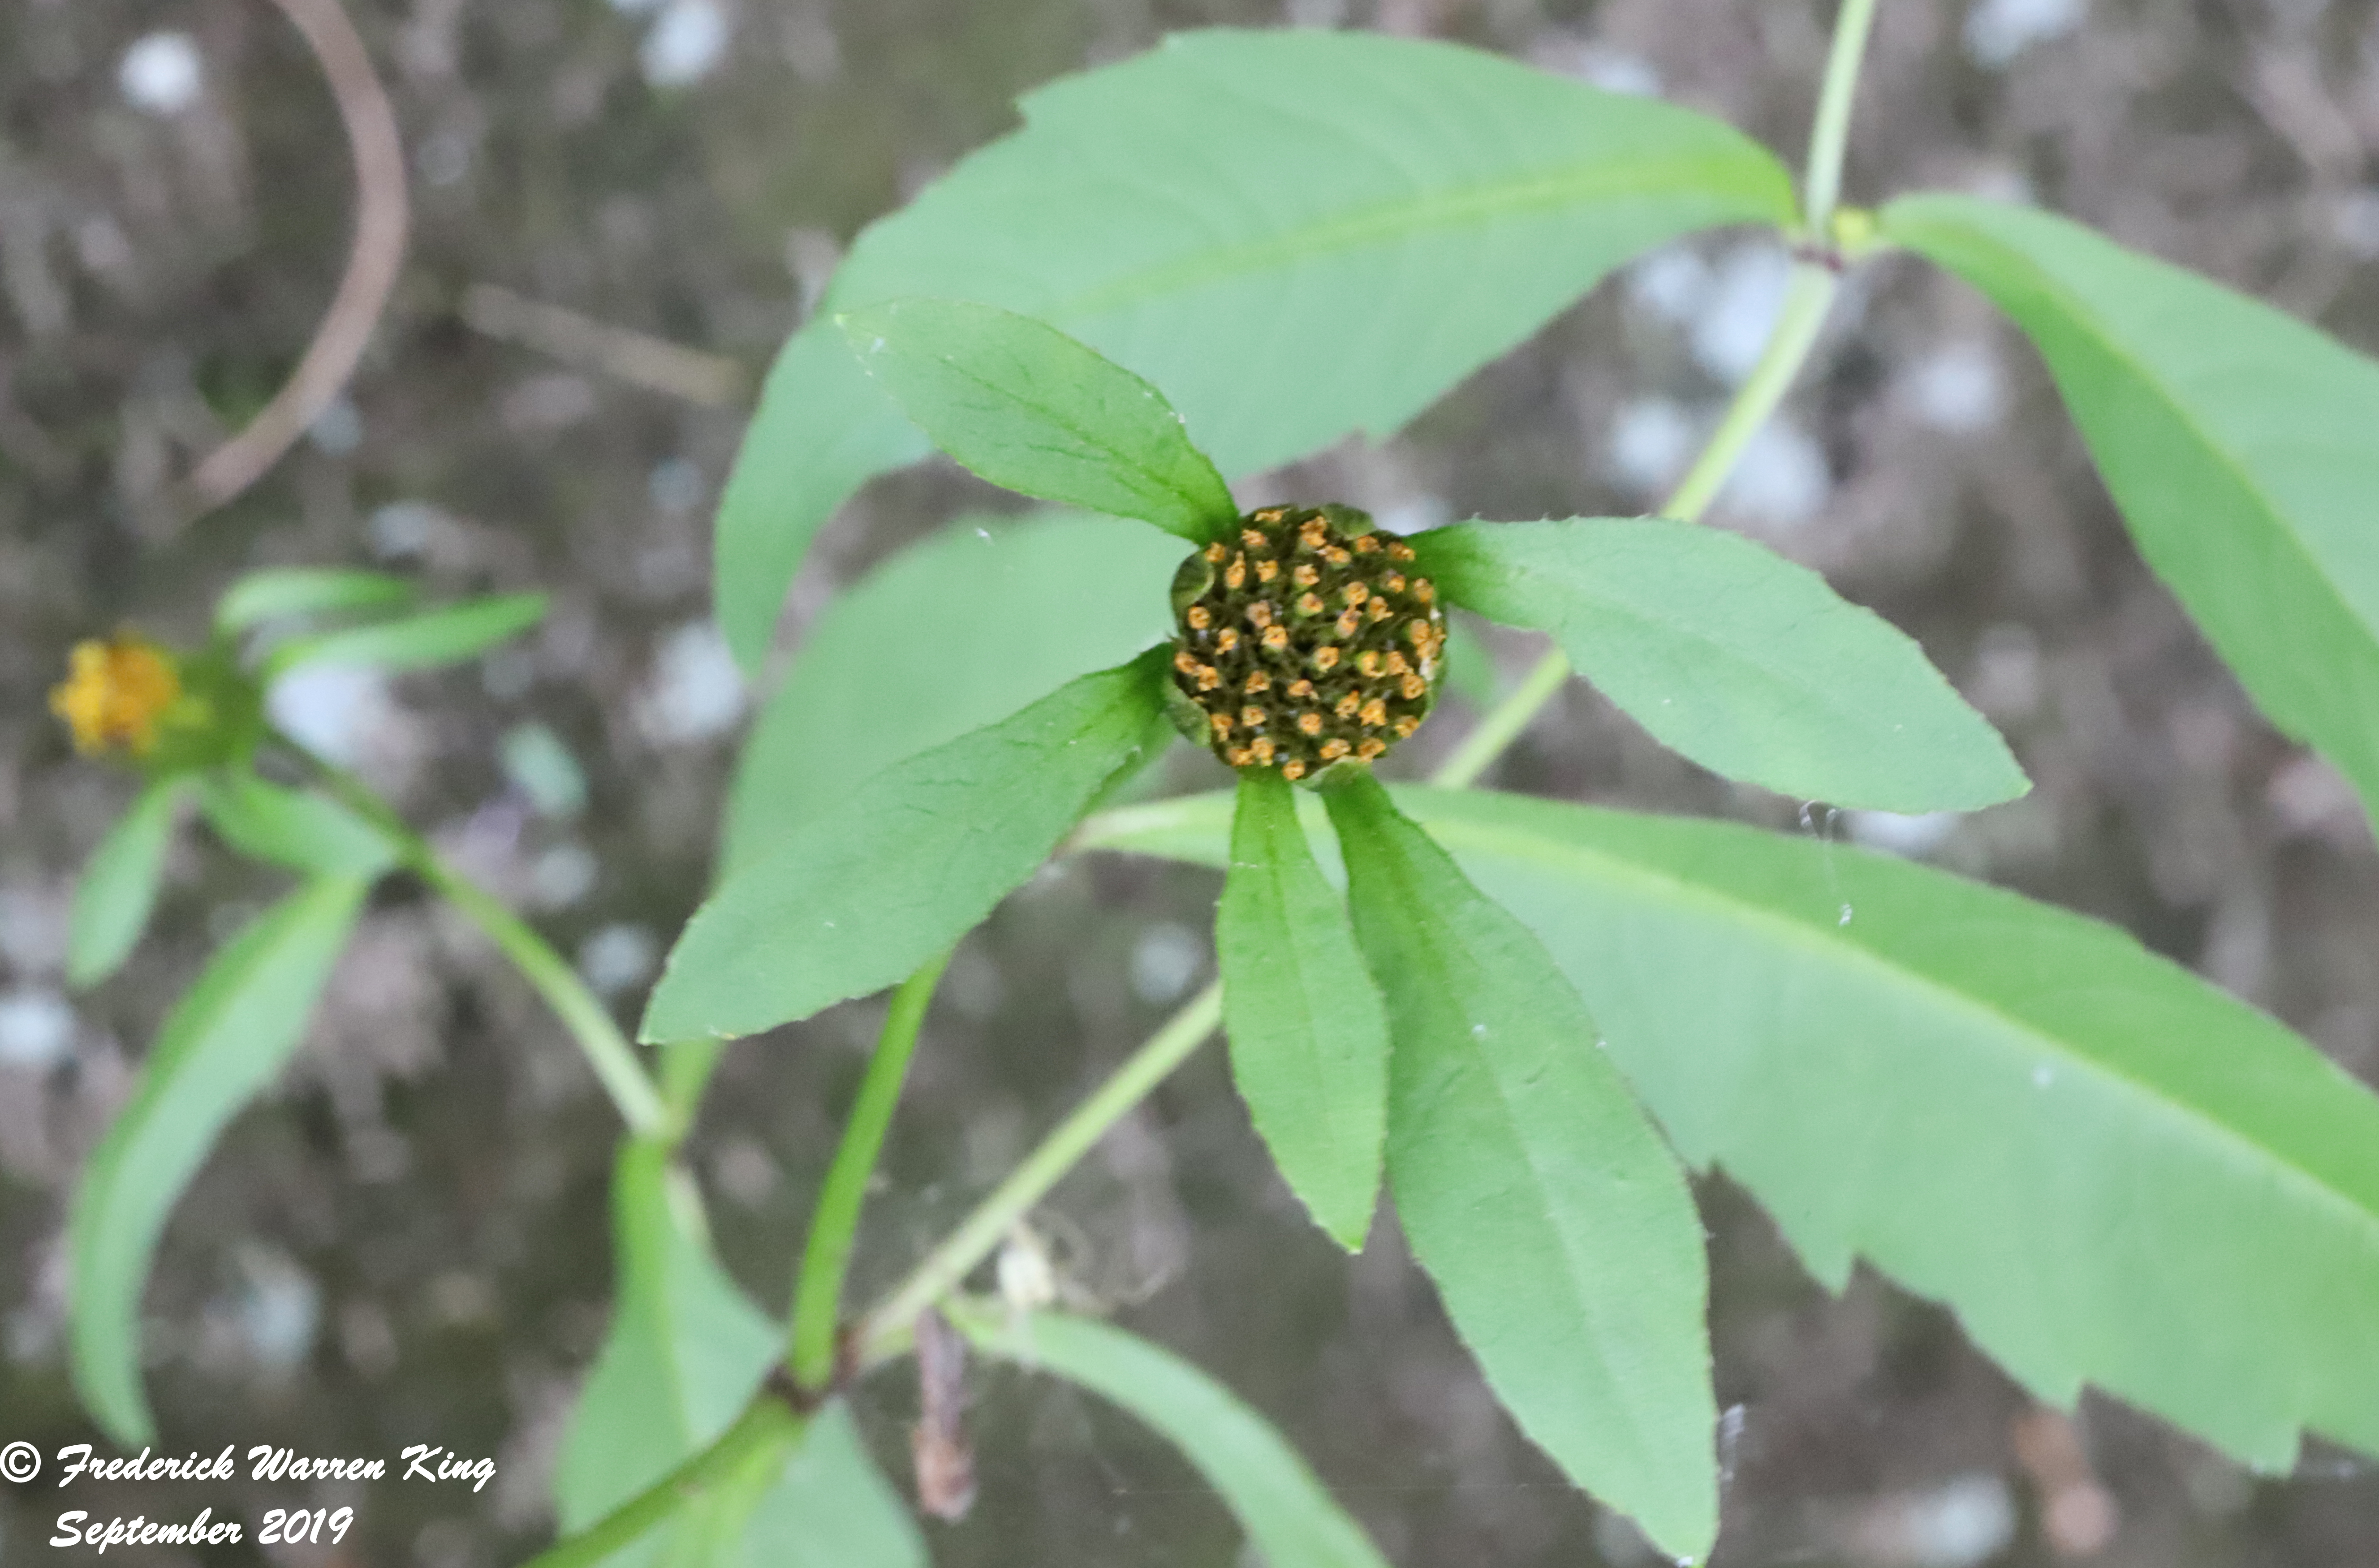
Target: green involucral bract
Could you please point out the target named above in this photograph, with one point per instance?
(1027, 407)
(1319, 194)
(861, 896)
(948, 635)
(2113, 1172)
(1308, 1038)
(1735, 657)
(1556, 1223)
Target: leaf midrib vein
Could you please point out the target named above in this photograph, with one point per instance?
(1531, 847)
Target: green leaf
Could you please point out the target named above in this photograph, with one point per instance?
(539, 766)
(305, 832)
(305, 590)
(861, 896)
(224, 1041)
(1298, 234)
(831, 1508)
(948, 635)
(2112, 1171)
(119, 886)
(684, 1351)
(2236, 442)
(1556, 1223)
(1309, 1036)
(445, 636)
(1733, 656)
(1290, 1520)
(1022, 405)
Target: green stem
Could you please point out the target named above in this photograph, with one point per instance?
(817, 1290)
(946, 1265)
(1806, 299)
(766, 1424)
(1486, 742)
(589, 1022)
(1831, 134)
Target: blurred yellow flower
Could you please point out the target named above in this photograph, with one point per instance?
(115, 694)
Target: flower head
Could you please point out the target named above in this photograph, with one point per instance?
(1305, 639)
(117, 694)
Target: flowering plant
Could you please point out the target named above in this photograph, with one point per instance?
(1526, 1019)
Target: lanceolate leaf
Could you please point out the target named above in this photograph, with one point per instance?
(1736, 657)
(831, 1508)
(305, 832)
(1296, 235)
(301, 590)
(1022, 405)
(1290, 1520)
(2238, 443)
(1555, 1223)
(684, 1351)
(861, 896)
(221, 1043)
(119, 886)
(2115, 1173)
(948, 636)
(445, 636)
(1308, 1037)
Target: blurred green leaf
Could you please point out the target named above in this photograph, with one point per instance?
(541, 767)
(303, 831)
(304, 590)
(861, 896)
(1470, 671)
(118, 884)
(830, 1508)
(2240, 445)
(948, 635)
(1020, 403)
(685, 1350)
(2112, 1171)
(1735, 657)
(445, 636)
(684, 1354)
(1309, 1036)
(1298, 234)
(224, 1041)
(1290, 1520)
(1555, 1221)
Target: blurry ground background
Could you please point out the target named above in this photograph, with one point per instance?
(405, 1243)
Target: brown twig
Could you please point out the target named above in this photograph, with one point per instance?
(711, 380)
(381, 225)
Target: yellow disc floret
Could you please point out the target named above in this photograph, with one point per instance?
(115, 695)
(1342, 641)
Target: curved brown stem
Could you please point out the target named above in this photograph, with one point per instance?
(381, 225)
